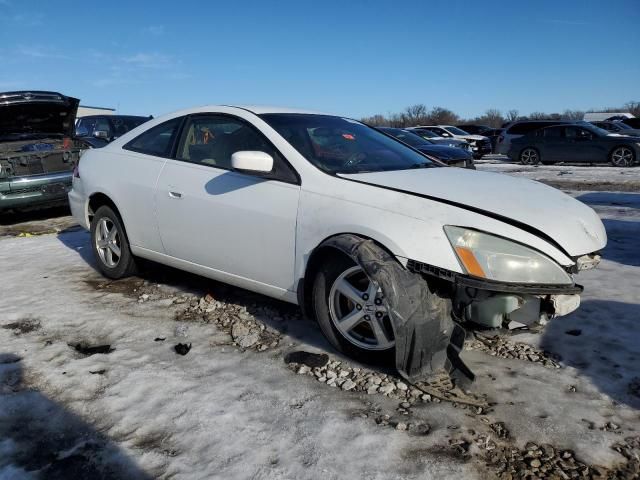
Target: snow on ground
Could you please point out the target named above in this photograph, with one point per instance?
(142, 411)
(568, 176)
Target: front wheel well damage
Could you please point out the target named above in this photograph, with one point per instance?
(427, 340)
(318, 256)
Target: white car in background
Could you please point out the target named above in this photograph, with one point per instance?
(384, 247)
(480, 145)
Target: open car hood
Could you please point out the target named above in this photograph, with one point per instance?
(574, 226)
(36, 113)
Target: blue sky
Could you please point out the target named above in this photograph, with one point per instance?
(350, 57)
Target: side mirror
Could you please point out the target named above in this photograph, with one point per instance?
(252, 161)
(103, 134)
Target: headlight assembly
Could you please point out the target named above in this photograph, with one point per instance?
(495, 258)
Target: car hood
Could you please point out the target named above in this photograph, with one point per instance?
(543, 210)
(443, 151)
(23, 114)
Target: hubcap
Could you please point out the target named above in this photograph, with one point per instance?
(108, 242)
(529, 157)
(622, 157)
(357, 310)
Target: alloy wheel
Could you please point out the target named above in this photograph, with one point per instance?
(622, 157)
(529, 156)
(358, 312)
(108, 242)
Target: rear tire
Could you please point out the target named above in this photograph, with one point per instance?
(622, 157)
(328, 305)
(529, 156)
(110, 244)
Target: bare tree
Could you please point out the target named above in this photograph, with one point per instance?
(415, 115)
(633, 108)
(512, 115)
(442, 116)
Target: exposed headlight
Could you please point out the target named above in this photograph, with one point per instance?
(494, 258)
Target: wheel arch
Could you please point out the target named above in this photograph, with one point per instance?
(323, 250)
(100, 199)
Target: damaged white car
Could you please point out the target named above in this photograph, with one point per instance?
(389, 250)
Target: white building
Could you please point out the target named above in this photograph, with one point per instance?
(84, 110)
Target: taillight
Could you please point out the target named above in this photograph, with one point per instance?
(67, 143)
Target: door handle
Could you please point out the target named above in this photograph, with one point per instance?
(174, 194)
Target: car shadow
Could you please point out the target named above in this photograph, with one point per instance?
(22, 216)
(623, 240)
(602, 341)
(39, 438)
(229, 182)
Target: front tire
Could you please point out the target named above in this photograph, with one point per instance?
(529, 156)
(351, 312)
(110, 245)
(622, 157)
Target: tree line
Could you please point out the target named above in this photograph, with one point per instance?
(419, 114)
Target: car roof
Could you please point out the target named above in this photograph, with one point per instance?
(260, 109)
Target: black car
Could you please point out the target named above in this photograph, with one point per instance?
(452, 156)
(99, 130)
(617, 127)
(578, 142)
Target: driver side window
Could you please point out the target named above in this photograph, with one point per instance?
(212, 139)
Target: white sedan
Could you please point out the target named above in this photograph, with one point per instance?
(381, 244)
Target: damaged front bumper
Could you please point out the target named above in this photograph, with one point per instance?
(498, 304)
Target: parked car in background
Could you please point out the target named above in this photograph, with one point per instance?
(452, 156)
(579, 142)
(37, 149)
(98, 130)
(518, 128)
(432, 137)
(328, 213)
(632, 122)
(474, 129)
(617, 127)
(480, 145)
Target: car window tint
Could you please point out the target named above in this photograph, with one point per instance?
(157, 140)
(552, 132)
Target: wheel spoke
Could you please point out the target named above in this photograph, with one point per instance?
(379, 332)
(108, 254)
(372, 291)
(349, 291)
(115, 249)
(112, 234)
(349, 321)
(104, 231)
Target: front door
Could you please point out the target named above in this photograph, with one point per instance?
(236, 223)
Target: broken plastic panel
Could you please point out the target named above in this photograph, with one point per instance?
(427, 340)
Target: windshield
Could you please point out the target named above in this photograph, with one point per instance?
(340, 145)
(424, 133)
(457, 131)
(407, 137)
